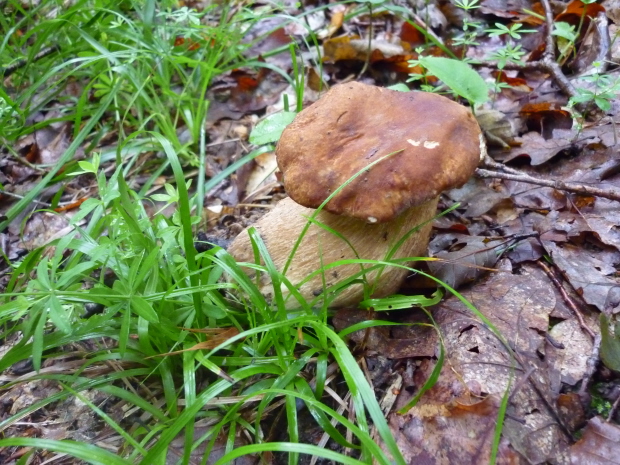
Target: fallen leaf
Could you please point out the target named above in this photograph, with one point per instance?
(335, 22)
(411, 35)
(537, 148)
(462, 258)
(516, 83)
(544, 117)
(610, 343)
(340, 48)
(599, 445)
(242, 91)
(43, 227)
(263, 171)
(438, 430)
(576, 11)
(504, 8)
(409, 339)
(592, 278)
(571, 363)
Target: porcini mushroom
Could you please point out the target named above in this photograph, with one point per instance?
(435, 145)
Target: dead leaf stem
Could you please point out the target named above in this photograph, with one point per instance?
(614, 408)
(20, 197)
(573, 306)
(8, 70)
(591, 365)
(501, 171)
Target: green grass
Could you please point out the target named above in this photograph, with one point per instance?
(162, 286)
(135, 83)
(140, 87)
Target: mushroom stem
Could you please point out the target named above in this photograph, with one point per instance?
(281, 228)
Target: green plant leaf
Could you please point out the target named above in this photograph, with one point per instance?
(270, 129)
(459, 77)
(400, 87)
(398, 302)
(58, 315)
(144, 309)
(610, 344)
(602, 103)
(87, 452)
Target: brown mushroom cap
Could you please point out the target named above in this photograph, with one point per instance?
(353, 125)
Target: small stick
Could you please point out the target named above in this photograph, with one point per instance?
(614, 408)
(574, 187)
(20, 197)
(567, 299)
(6, 72)
(591, 365)
(549, 44)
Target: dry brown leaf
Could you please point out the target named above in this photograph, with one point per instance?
(504, 8)
(340, 48)
(395, 342)
(43, 227)
(335, 22)
(600, 444)
(478, 365)
(544, 117)
(263, 169)
(570, 363)
(462, 259)
(219, 335)
(537, 148)
(592, 278)
(176, 449)
(242, 91)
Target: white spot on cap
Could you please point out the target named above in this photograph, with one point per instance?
(428, 144)
(372, 219)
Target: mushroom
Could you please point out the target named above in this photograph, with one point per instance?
(431, 143)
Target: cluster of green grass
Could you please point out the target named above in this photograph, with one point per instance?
(162, 289)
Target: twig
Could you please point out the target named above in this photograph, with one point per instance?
(548, 63)
(602, 26)
(567, 299)
(534, 383)
(574, 187)
(20, 197)
(614, 408)
(549, 44)
(6, 72)
(591, 365)
(545, 65)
